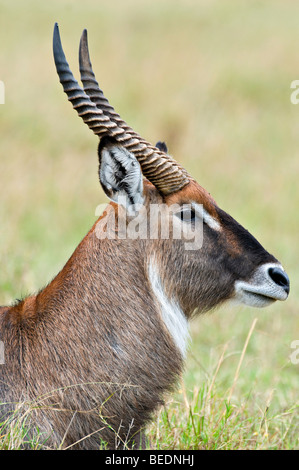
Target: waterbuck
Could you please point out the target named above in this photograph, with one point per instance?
(91, 356)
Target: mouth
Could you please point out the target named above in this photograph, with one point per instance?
(264, 288)
(255, 299)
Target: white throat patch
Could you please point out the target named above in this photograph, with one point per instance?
(172, 315)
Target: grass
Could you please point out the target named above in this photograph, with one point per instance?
(210, 417)
(212, 79)
(219, 425)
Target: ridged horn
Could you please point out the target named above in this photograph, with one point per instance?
(92, 106)
(93, 90)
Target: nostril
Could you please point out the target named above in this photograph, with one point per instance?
(280, 278)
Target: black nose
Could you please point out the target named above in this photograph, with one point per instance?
(280, 278)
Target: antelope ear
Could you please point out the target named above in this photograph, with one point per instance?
(120, 174)
(162, 146)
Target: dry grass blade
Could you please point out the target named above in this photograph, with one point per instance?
(241, 360)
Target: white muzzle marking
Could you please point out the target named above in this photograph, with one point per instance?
(261, 290)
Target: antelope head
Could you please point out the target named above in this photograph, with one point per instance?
(230, 263)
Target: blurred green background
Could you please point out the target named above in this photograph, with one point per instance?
(212, 79)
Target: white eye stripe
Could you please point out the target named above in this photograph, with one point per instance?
(207, 218)
(211, 221)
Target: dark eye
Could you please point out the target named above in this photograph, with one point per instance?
(187, 215)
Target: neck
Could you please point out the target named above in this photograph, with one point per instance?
(104, 324)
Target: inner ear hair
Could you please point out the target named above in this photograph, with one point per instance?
(120, 173)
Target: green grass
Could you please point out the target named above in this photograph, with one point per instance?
(216, 415)
(219, 425)
(212, 79)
